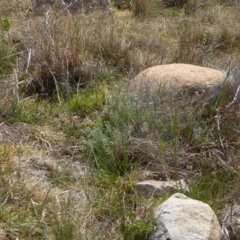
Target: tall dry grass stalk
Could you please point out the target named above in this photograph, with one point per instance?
(61, 52)
(75, 49)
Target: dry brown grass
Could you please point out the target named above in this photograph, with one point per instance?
(66, 51)
(60, 53)
(14, 7)
(37, 197)
(207, 35)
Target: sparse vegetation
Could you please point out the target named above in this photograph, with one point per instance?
(72, 141)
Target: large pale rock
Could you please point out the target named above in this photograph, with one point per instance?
(150, 188)
(181, 217)
(183, 82)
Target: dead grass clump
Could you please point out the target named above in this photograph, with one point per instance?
(222, 27)
(11, 8)
(57, 54)
(63, 53)
(191, 46)
(8, 52)
(15, 194)
(35, 203)
(174, 3)
(127, 46)
(140, 8)
(207, 33)
(154, 8)
(235, 3)
(41, 7)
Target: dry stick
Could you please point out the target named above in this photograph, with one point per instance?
(56, 85)
(15, 89)
(66, 81)
(235, 97)
(20, 195)
(219, 129)
(41, 214)
(15, 54)
(231, 211)
(29, 59)
(66, 8)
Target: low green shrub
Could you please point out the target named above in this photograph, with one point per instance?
(87, 101)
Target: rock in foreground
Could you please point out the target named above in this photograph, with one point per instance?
(181, 217)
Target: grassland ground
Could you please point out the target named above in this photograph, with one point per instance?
(73, 144)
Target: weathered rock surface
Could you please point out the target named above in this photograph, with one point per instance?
(181, 217)
(150, 188)
(185, 83)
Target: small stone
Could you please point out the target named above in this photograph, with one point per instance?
(150, 188)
